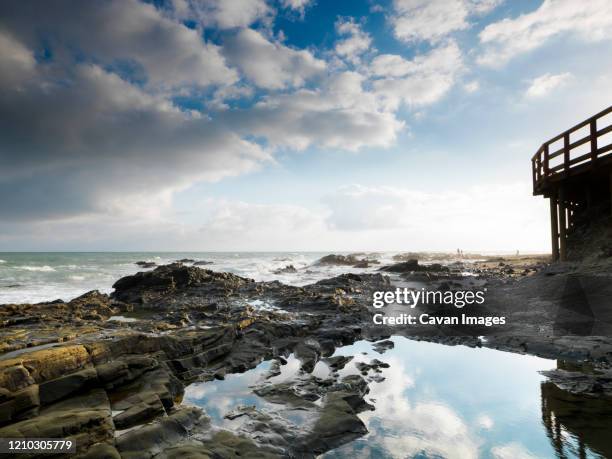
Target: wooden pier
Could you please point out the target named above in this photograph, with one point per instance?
(574, 170)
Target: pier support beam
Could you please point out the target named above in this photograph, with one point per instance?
(562, 225)
(610, 193)
(554, 227)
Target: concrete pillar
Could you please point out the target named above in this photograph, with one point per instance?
(562, 225)
(554, 227)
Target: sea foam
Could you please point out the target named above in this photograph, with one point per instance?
(45, 268)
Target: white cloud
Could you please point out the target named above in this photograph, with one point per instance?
(417, 82)
(425, 426)
(355, 41)
(163, 52)
(433, 20)
(471, 86)
(236, 225)
(296, 5)
(230, 93)
(511, 451)
(268, 64)
(223, 14)
(99, 144)
(588, 21)
(17, 60)
(339, 114)
(546, 83)
(481, 218)
(483, 6)
(485, 422)
(430, 20)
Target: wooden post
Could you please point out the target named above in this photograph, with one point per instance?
(562, 226)
(593, 135)
(566, 153)
(554, 227)
(611, 193)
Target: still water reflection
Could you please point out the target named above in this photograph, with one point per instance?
(445, 402)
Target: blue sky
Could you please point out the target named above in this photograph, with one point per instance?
(288, 125)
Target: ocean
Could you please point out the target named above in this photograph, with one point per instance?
(35, 277)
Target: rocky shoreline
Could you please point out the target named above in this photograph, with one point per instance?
(111, 371)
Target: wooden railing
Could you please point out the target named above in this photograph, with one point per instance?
(562, 154)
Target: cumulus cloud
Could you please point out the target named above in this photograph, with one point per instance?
(107, 110)
(296, 5)
(81, 135)
(339, 114)
(92, 142)
(223, 14)
(587, 21)
(155, 48)
(433, 20)
(355, 41)
(18, 61)
(546, 83)
(269, 64)
(417, 82)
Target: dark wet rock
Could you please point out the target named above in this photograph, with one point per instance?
(353, 283)
(101, 451)
(19, 405)
(56, 389)
(338, 424)
(197, 325)
(223, 444)
(345, 260)
(152, 439)
(376, 378)
(275, 369)
(362, 264)
(338, 362)
(203, 263)
(84, 419)
(139, 413)
(375, 365)
(153, 286)
(146, 264)
(334, 418)
(185, 260)
(308, 352)
(91, 306)
(382, 346)
(597, 383)
(341, 260)
(289, 269)
(413, 266)
(298, 394)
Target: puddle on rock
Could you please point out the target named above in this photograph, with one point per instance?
(437, 401)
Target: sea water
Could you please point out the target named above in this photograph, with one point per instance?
(35, 277)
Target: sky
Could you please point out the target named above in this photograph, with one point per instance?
(288, 125)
